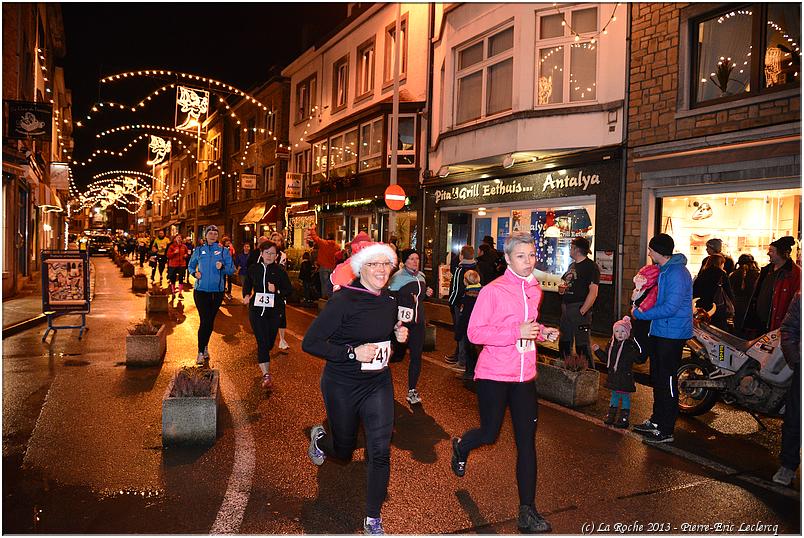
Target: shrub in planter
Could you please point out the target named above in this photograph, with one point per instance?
(156, 300)
(190, 407)
(128, 269)
(139, 282)
(568, 381)
(146, 344)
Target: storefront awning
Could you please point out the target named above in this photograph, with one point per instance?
(270, 216)
(254, 214)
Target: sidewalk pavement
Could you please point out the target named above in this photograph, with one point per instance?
(24, 310)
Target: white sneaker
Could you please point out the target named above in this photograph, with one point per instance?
(206, 352)
(283, 345)
(413, 397)
(784, 476)
(200, 359)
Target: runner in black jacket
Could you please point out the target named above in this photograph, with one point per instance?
(264, 289)
(353, 333)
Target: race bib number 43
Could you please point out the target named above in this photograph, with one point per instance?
(381, 357)
(264, 300)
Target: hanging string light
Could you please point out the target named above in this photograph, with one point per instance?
(587, 35)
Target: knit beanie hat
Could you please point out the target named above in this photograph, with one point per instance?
(662, 244)
(405, 254)
(784, 244)
(625, 323)
(368, 251)
(210, 228)
(715, 244)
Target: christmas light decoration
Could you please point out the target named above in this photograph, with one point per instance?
(160, 147)
(194, 104)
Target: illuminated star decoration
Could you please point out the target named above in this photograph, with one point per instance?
(160, 147)
(194, 105)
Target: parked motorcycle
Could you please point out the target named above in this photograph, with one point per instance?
(750, 373)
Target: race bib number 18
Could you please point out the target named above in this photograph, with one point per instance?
(381, 357)
(263, 300)
(404, 314)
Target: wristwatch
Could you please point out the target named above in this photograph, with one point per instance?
(350, 353)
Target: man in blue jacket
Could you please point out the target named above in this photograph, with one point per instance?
(210, 263)
(670, 328)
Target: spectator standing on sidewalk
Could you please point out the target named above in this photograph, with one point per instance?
(457, 288)
(715, 246)
(177, 265)
(578, 292)
(472, 281)
(210, 263)
(504, 323)
(790, 455)
(306, 278)
(743, 281)
(711, 286)
(409, 288)
(265, 285)
(326, 259)
(670, 328)
(162, 243)
(353, 333)
(778, 283)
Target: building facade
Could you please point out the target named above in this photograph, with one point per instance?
(714, 129)
(37, 139)
(527, 131)
(341, 111)
(258, 158)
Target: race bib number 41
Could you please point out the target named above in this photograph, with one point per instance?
(264, 300)
(381, 357)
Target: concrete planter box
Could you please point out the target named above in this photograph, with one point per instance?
(128, 269)
(429, 337)
(190, 420)
(156, 303)
(139, 282)
(572, 389)
(146, 349)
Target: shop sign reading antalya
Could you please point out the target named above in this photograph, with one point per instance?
(552, 182)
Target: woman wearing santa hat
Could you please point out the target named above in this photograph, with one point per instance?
(353, 333)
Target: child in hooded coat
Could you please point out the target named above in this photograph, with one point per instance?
(646, 289)
(619, 357)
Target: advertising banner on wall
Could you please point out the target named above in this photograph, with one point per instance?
(293, 185)
(248, 181)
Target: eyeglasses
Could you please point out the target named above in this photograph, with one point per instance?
(269, 253)
(378, 265)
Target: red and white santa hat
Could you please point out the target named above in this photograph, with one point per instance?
(369, 251)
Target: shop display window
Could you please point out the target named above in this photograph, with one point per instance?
(746, 222)
(552, 227)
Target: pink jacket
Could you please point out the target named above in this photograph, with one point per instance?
(502, 306)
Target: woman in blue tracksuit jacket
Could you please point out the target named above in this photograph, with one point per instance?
(210, 263)
(670, 328)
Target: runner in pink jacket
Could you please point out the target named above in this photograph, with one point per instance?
(504, 322)
(502, 306)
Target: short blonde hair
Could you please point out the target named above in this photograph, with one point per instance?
(471, 277)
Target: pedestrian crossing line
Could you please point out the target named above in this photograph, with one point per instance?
(233, 508)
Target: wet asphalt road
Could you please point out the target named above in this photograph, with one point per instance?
(82, 448)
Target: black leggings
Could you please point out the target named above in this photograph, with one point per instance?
(207, 304)
(265, 328)
(415, 344)
(161, 261)
(176, 273)
(492, 399)
(372, 403)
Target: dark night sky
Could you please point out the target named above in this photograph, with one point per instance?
(234, 43)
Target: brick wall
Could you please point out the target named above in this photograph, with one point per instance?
(11, 62)
(652, 107)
